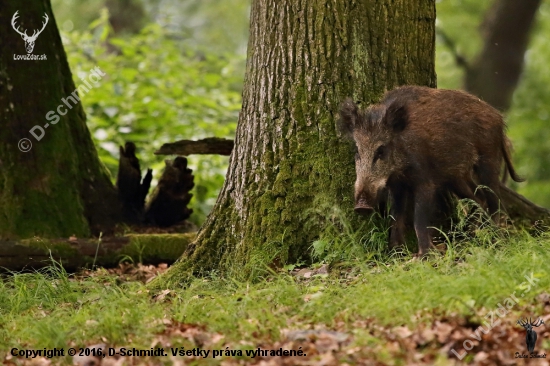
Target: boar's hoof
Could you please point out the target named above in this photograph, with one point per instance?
(420, 257)
(439, 249)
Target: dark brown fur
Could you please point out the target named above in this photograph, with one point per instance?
(419, 142)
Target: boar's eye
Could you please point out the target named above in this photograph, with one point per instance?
(379, 153)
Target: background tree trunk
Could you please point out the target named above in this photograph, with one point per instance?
(289, 168)
(494, 74)
(126, 16)
(58, 188)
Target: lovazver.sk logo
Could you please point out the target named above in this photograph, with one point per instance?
(29, 40)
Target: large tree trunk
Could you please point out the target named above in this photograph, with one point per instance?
(494, 74)
(58, 188)
(288, 166)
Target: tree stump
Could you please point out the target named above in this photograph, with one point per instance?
(168, 202)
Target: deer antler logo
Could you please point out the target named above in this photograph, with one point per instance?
(531, 337)
(29, 40)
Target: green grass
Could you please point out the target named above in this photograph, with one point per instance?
(53, 309)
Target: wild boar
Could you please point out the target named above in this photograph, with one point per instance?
(418, 143)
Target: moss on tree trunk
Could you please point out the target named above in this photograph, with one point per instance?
(59, 187)
(304, 57)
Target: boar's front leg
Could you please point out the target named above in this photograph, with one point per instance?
(424, 202)
(398, 212)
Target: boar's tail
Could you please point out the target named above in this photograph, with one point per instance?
(506, 145)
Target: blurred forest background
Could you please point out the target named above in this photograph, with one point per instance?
(175, 70)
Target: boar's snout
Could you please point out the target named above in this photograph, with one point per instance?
(367, 197)
(362, 207)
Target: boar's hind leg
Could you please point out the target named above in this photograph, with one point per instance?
(465, 189)
(489, 176)
(398, 213)
(424, 202)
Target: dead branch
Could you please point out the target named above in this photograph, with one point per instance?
(211, 145)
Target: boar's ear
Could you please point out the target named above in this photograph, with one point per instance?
(349, 117)
(397, 117)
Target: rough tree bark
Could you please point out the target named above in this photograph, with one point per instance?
(58, 188)
(304, 57)
(495, 72)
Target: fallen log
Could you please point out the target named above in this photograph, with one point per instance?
(73, 253)
(211, 145)
(521, 210)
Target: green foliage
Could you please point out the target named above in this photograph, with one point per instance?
(74, 14)
(155, 92)
(216, 25)
(219, 26)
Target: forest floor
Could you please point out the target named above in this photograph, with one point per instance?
(460, 306)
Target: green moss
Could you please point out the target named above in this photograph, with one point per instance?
(157, 247)
(57, 249)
